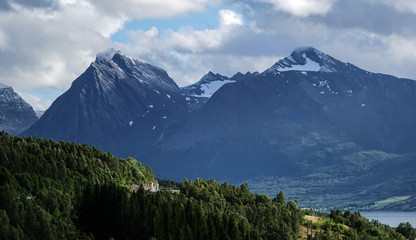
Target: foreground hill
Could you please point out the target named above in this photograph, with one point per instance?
(52, 190)
(41, 184)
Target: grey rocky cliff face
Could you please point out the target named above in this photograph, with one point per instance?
(151, 186)
(16, 115)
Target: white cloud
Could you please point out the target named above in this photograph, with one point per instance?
(401, 5)
(302, 8)
(81, 15)
(4, 41)
(188, 54)
(400, 58)
(188, 39)
(229, 18)
(406, 6)
(50, 47)
(153, 9)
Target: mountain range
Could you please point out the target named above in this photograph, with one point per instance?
(326, 132)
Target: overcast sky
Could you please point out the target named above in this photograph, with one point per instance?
(46, 44)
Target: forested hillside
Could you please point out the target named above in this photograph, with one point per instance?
(52, 190)
(41, 184)
(202, 210)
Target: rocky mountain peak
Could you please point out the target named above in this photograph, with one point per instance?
(113, 65)
(106, 55)
(311, 59)
(207, 85)
(16, 115)
(240, 76)
(210, 76)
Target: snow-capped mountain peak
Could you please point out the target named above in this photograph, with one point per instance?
(311, 59)
(207, 85)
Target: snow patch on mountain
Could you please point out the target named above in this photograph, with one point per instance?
(207, 86)
(310, 65)
(208, 89)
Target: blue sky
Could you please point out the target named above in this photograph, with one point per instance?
(207, 19)
(46, 44)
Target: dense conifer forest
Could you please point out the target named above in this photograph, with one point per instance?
(51, 190)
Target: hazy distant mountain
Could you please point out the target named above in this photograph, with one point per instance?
(16, 115)
(324, 131)
(39, 113)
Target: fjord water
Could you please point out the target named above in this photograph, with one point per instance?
(393, 219)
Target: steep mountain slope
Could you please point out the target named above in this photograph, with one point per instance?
(117, 96)
(16, 115)
(335, 123)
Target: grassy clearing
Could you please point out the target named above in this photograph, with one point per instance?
(383, 204)
(313, 225)
(394, 200)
